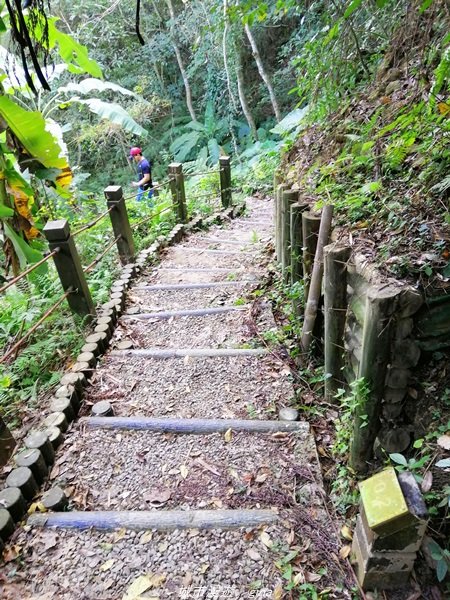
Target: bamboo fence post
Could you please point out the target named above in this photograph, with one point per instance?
(375, 354)
(297, 210)
(70, 270)
(7, 443)
(276, 183)
(289, 197)
(316, 278)
(310, 231)
(120, 223)
(279, 228)
(178, 191)
(335, 305)
(225, 180)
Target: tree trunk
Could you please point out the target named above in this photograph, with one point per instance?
(187, 86)
(264, 76)
(242, 97)
(225, 55)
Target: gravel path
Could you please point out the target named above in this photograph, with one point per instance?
(226, 387)
(130, 470)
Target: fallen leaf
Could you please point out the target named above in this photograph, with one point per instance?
(162, 547)
(119, 534)
(11, 553)
(138, 587)
(444, 442)
(261, 478)
(157, 496)
(36, 507)
(346, 533)
(299, 578)
(107, 565)
(204, 568)
(312, 577)
(187, 579)
(345, 551)
(278, 592)
(184, 471)
(291, 537)
(146, 537)
(228, 435)
(265, 538)
(427, 482)
(207, 466)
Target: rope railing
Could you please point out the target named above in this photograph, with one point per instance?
(205, 195)
(155, 187)
(197, 174)
(92, 223)
(32, 329)
(29, 270)
(100, 256)
(150, 217)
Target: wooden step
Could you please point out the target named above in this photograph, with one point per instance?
(194, 352)
(195, 426)
(156, 520)
(191, 286)
(197, 312)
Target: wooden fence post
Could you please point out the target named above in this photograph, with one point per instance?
(310, 233)
(375, 354)
(297, 209)
(225, 180)
(278, 226)
(120, 223)
(335, 307)
(7, 443)
(289, 197)
(69, 267)
(178, 191)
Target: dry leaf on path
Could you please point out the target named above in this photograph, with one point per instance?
(157, 495)
(184, 471)
(312, 577)
(345, 551)
(278, 592)
(265, 538)
(346, 533)
(427, 482)
(228, 435)
(107, 565)
(254, 555)
(146, 537)
(444, 442)
(141, 585)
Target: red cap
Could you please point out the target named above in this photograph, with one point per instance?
(135, 151)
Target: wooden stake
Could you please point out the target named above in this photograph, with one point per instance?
(316, 278)
(289, 197)
(278, 227)
(310, 232)
(380, 306)
(335, 304)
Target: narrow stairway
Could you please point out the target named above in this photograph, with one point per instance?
(194, 488)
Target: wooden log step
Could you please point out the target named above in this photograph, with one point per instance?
(197, 270)
(194, 352)
(190, 286)
(209, 251)
(158, 520)
(196, 312)
(213, 240)
(195, 426)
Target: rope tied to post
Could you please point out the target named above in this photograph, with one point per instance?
(92, 223)
(100, 256)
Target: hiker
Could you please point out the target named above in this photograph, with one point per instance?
(144, 171)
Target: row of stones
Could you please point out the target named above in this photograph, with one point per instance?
(33, 463)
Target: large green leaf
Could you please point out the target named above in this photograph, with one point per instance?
(214, 151)
(5, 212)
(30, 128)
(25, 253)
(290, 121)
(90, 84)
(73, 54)
(182, 146)
(352, 7)
(113, 112)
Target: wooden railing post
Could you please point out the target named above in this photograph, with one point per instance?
(7, 443)
(279, 220)
(69, 267)
(178, 191)
(120, 223)
(225, 180)
(288, 198)
(335, 312)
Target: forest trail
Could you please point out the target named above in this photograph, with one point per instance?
(205, 514)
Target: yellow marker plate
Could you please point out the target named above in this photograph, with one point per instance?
(383, 500)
